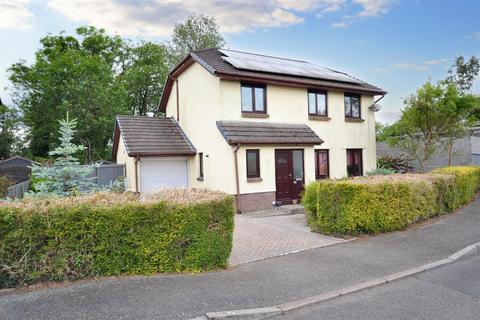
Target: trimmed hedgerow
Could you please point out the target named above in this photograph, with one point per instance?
(387, 203)
(465, 185)
(71, 239)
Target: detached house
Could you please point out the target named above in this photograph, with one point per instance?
(254, 126)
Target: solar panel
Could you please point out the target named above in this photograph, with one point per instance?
(255, 62)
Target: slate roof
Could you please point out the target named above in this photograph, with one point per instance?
(211, 59)
(246, 132)
(152, 136)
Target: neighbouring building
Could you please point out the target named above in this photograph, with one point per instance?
(466, 151)
(17, 168)
(254, 126)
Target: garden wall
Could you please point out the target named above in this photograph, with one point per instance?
(107, 234)
(386, 203)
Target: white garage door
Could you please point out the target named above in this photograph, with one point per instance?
(160, 173)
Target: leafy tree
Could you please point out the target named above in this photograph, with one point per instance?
(145, 72)
(380, 131)
(8, 125)
(456, 108)
(75, 74)
(197, 32)
(66, 176)
(419, 129)
(463, 73)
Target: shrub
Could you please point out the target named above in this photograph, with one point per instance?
(398, 164)
(110, 234)
(466, 184)
(380, 172)
(4, 184)
(386, 203)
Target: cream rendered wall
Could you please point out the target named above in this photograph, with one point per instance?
(129, 162)
(205, 99)
(290, 105)
(200, 108)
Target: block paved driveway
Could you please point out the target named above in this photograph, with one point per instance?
(268, 234)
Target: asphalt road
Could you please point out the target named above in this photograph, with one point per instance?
(449, 292)
(253, 285)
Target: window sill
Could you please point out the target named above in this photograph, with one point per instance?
(319, 118)
(354, 120)
(254, 179)
(200, 179)
(254, 115)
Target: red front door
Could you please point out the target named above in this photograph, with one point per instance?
(289, 178)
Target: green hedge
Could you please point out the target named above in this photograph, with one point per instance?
(71, 241)
(382, 204)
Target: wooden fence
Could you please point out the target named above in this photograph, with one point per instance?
(105, 174)
(18, 190)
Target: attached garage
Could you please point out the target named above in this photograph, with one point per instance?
(156, 173)
(155, 151)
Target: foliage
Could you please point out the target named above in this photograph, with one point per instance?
(96, 76)
(66, 176)
(380, 131)
(380, 172)
(145, 74)
(419, 129)
(4, 184)
(463, 73)
(387, 203)
(456, 109)
(8, 125)
(108, 234)
(466, 184)
(76, 74)
(398, 164)
(196, 32)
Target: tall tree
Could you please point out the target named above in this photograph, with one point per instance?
(419, 129)
(197, 32)
(8, 125)
(76, 74)
(66, 176)
(463, 72)
(145, 73)
(456, 108)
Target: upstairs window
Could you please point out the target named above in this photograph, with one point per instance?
(317, 103)
(354, 162)
(352, 106)
(321, 164)
(253, 163)
(253, 98)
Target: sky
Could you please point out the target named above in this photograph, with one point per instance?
(396, 45)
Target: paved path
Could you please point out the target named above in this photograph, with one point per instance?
(263, 283)
(450, 292)
(256, 238)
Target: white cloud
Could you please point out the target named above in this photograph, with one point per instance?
(474, 35)
(339, 25)
(373, 7)
(157, 17)
(435, 61)
(15, 15)
(412, 66)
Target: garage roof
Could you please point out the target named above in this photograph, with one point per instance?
(151, 136)
(244, 132)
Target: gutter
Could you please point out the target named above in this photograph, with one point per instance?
(137, 159)
(376, 101)
(178, 103)
(237, 182)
